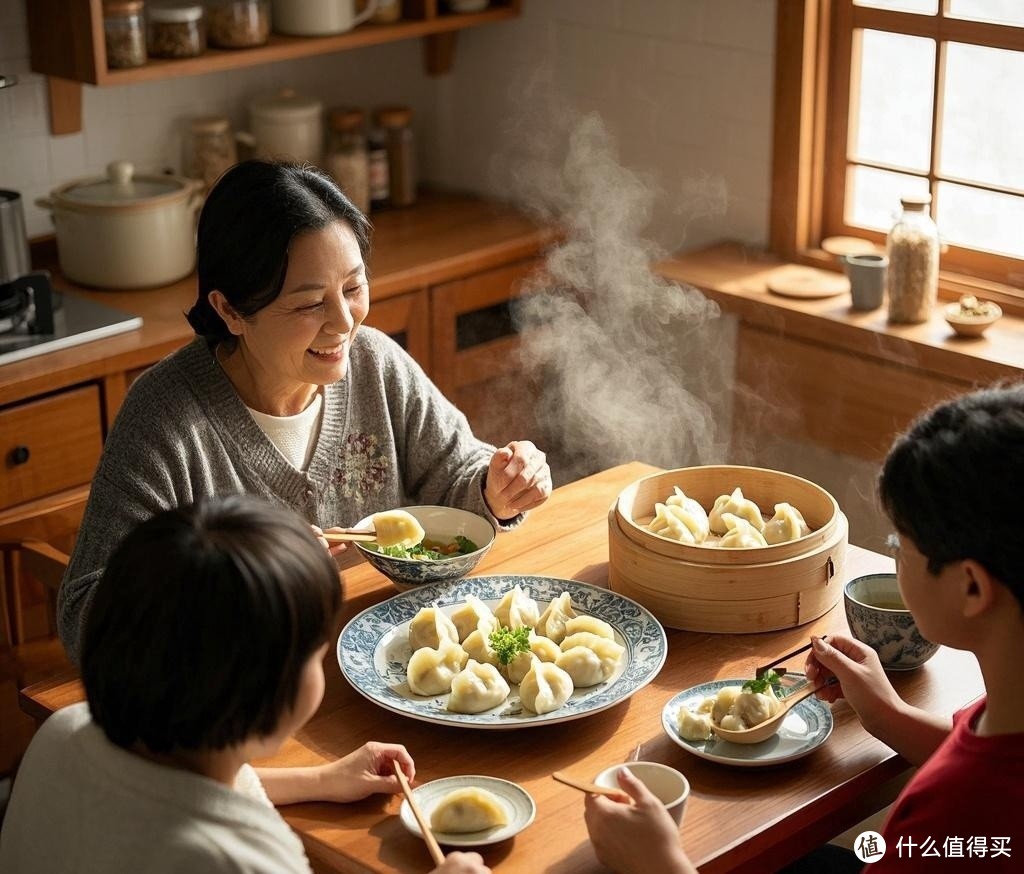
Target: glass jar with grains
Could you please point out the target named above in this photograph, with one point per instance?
(396, 124)
(237, 24)
(176, 30)
(347, 157)
(209, 149)
(124, 33)
(913, 249)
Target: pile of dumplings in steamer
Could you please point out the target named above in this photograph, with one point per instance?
(736, 518)
(453, 654)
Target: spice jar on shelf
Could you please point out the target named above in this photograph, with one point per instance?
(377, 161)
(388, 12)
(209, 149)
(176, 30)
(124, 33)
(237, 24)
(913, 250)
(347, 159)
(395, 122)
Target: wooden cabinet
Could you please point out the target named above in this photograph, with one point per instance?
(66, 44)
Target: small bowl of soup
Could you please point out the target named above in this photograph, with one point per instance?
(454, 541)
(878, 617)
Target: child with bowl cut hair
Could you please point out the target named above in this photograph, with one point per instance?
(203, 650)
(951, 486)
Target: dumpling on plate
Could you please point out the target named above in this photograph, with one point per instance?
(753, 708)
(552, 621)
(478, 647)
(429, 627)
(468, 809)
(723, 702)
(430, 671)
(544, 648)
(787, 524)
(518, 667)
(738, 506)
(477, 688)
(472, 615)
(740, 534)
(545, 688)
(590, 624)
(517, 609)
(690, 513)
(591, 664)
(694, 725)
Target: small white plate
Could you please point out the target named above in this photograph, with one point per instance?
(517, 802)
(805, 728)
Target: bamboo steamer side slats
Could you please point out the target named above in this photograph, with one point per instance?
(718, 590)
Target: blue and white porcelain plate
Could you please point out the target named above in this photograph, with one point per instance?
(805, 728)
(373, 650)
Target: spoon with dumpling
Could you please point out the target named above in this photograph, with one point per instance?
(390, 528)
(764, 730)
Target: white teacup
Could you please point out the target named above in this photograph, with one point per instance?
(318, 19)
(667, 784)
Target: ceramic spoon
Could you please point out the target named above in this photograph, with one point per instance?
(764, 730)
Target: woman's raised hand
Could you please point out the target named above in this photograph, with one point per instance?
(518, 479)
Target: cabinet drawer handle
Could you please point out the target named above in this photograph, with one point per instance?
(19, 455)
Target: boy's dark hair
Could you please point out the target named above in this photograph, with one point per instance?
(952, 483)
(202, 622)
(246, 228)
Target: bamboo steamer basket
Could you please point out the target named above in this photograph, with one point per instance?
(709, 589)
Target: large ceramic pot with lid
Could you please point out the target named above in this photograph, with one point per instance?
(125, 230)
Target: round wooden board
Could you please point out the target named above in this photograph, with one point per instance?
(840, 246)
(807, 283)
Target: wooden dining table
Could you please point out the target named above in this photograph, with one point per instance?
(736, 819)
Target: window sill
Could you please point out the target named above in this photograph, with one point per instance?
(736, 278)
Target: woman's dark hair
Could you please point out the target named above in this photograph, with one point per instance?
(246, 228)
(952, 483)
(202, 622)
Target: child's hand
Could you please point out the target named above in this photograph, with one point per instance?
(462, 863)
(364, 772)
(862, 681)
(639, 837)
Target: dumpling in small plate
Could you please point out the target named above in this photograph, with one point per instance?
(468, 810)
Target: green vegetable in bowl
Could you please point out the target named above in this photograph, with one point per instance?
(428, 550)
(507, 643)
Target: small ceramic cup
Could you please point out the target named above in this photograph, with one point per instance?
(867, 280)
(667, 784)
(878, 617)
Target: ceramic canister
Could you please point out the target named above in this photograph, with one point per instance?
(287, 126)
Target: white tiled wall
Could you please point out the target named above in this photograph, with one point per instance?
(143, 123)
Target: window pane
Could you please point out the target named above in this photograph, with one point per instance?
(996, 11)
(928, 7)
(874, 196)
(982, 139)
(980, 219)
(891, 120)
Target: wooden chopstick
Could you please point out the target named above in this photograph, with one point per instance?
(591, 788)
(361, 534)
(761, 671)
(428, 835)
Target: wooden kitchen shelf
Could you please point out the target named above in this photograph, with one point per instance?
(66, 44)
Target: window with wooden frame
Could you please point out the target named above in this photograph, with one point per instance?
(876, 99)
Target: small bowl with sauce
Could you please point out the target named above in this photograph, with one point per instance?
(878, 617)
(970, 317)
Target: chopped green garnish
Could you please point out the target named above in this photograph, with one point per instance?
(466, 545)
(425, 551)
(761, 685)
(507, 643)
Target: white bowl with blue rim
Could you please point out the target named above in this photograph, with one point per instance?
(878, 617)
(441, 524)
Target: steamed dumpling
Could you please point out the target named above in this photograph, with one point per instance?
(690, 513)
(694, 726)
(429, 627)
(591, 664)
(519, 667)
(477, 688)
(468, 810)
(737, 505)
(753, 708)
(430, 671)
(740, 534)
(787, 524)
(590, 624)
(669, 523)
(545, 688)
(473, 615)
(723, 702)
(586, 638)
(552, 621)
(544, 648)
(478, 647)
(517, 609)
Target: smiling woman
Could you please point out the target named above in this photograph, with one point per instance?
(284, 393)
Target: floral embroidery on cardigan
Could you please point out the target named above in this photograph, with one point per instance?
(363, 469)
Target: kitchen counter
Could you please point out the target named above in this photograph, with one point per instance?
(443, 238)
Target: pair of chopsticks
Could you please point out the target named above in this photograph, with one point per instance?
(428, 835)
(764, 669)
